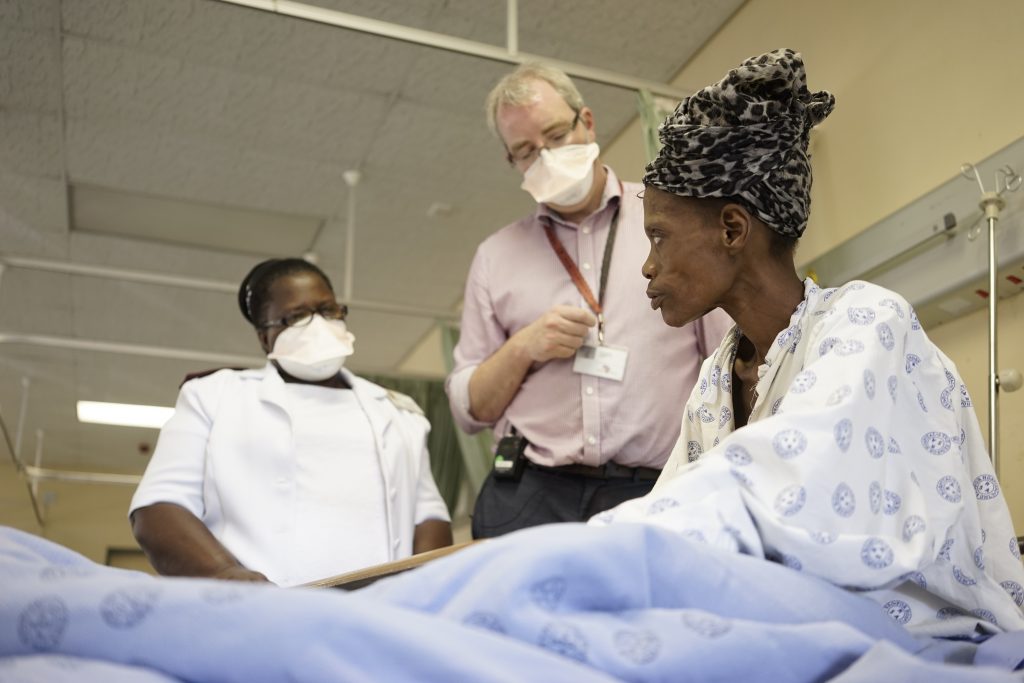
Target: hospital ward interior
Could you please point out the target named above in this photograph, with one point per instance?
(511, 340)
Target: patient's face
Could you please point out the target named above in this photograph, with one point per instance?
(687, 266)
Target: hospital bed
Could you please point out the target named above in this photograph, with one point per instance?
(564, 602)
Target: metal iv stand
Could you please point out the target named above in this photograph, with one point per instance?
(1006, 179)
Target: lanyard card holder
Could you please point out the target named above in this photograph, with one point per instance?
(605, 362)
(509, 458)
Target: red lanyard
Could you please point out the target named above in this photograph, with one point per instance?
(577, 276)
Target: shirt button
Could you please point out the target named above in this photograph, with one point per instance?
(586, 266)
(395, 544)
(591, 440)
(590, 391)
(281, 480)
(586, 231)
(392, 492)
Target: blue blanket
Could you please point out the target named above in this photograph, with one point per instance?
(563, 602)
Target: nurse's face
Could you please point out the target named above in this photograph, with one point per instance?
(289, 294)
(689, 269)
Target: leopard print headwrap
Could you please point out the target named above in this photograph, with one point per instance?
(746, 137)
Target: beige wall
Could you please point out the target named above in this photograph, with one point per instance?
(15, 504)
(88, 518)
(921, 86)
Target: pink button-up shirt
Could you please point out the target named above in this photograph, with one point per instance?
(570, 418)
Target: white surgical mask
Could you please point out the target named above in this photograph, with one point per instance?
(562, 176)
(313, 352)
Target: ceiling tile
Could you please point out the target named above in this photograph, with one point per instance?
(30, 14)
(29, 69)
(32, 143)
(30, 204)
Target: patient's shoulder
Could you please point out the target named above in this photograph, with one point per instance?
(864, 303)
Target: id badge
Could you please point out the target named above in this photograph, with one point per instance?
(606, 362)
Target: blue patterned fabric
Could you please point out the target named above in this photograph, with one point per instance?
(562, 602)
(886, 491)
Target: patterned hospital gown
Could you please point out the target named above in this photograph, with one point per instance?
(862, 463)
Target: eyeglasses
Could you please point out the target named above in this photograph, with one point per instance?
(524, 156)
(304, 316)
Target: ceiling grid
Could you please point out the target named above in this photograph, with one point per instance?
(199, 106)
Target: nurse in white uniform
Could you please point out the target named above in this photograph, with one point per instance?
(295, 471)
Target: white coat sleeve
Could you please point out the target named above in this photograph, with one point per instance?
(859, 474)
(175, 472)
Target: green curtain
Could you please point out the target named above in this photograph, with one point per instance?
(477, 450)
(445, 456)
(653, 110)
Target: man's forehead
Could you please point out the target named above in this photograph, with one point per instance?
(538, 92)
(543, 106)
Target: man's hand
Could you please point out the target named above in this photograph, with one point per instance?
(556, 334)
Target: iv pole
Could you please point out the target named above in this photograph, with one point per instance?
(991, 204)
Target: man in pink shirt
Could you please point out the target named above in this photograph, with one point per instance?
(559, 350)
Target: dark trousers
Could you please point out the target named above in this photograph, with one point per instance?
(544, 497)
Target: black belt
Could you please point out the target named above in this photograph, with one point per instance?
(609, 470)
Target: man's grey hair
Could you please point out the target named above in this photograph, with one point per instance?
(516, 89)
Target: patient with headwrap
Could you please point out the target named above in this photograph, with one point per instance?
(827, 432)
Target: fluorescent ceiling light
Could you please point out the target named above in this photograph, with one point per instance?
(183, 221)
(124, 414)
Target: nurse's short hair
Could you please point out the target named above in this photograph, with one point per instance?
(254, 291)
(516, 89)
